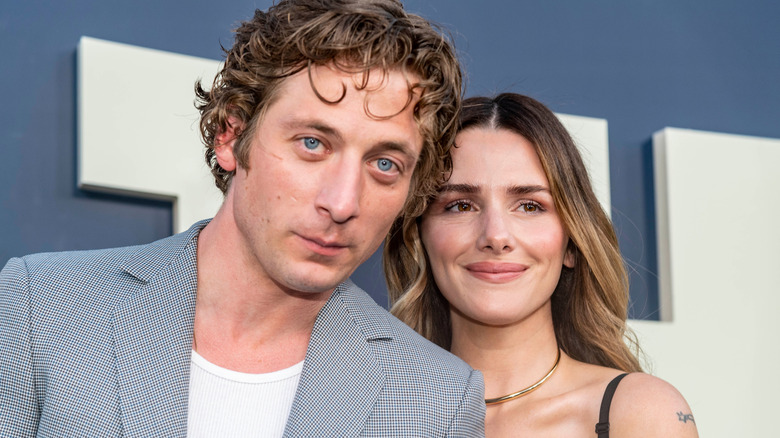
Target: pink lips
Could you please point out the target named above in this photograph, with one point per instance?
(323, 247)
(496, 272)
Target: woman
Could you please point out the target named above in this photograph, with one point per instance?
(515, 268)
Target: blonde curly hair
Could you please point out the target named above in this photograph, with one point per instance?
(353, 35)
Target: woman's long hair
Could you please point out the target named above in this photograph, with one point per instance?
(590, 302)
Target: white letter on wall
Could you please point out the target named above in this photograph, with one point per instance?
(138, 127)
(717, 204)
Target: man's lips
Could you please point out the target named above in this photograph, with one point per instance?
(497, 272)
(324, 247)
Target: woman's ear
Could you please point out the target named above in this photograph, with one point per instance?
(224, 142)
(568, 257)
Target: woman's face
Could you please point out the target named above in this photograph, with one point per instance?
(493, 237)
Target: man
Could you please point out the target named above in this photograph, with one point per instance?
(328, 119)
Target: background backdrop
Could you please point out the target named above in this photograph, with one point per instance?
(641, 65)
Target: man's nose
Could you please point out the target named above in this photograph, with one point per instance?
(341, 190)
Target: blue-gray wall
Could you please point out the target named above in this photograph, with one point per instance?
(642, 65)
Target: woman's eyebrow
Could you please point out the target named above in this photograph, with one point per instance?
(526, 190)
(459, 188)
(472, 188)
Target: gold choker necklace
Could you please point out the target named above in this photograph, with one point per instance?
(530, 389)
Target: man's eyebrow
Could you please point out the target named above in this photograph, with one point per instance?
(397, 146)
(314, 124)
(330, 131)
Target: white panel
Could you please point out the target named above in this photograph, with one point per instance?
(718, 203)
(138, 127)
(590, 135)
(662, 227)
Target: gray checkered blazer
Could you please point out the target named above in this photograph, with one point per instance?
(97, 343)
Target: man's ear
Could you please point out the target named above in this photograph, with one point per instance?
(224, 142)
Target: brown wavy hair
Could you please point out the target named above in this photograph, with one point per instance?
(355, 36)
(590, 302)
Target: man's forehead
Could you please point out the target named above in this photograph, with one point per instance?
(387, 92)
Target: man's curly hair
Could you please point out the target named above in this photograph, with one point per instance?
(355, 36)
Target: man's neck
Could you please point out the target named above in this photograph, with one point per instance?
(244, 321)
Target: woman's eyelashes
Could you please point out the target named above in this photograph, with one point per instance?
(465, 206)
(531, 207)
(459, 206)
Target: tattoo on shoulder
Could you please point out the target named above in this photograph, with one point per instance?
(685, 417)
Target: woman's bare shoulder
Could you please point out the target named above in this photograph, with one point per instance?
(646, 406)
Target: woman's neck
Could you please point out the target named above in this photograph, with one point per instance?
(510, 357)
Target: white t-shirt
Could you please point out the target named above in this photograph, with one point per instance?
(226, 403)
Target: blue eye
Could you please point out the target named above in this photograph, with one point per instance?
(311, 143)
(384, 164)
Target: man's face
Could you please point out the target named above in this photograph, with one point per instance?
(325, 181)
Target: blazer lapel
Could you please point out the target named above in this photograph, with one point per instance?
(153, 335)
(341, 377)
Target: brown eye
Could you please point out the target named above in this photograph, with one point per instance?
(459, 207)
(531, 207)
